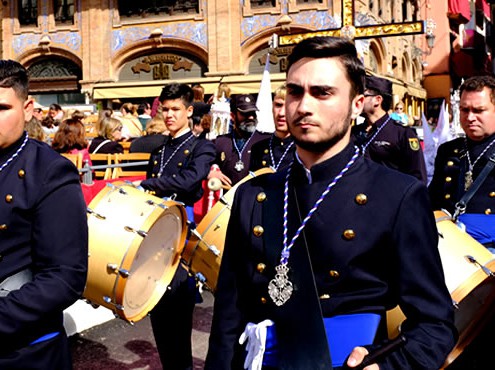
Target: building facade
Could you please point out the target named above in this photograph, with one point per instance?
(100, 50)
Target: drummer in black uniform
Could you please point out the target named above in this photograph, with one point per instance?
(386, 140)
(334, 239)
(234, 149)
(460, 162)
(177, 169)
(43, 237)
(277, 151)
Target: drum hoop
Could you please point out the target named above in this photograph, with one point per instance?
(474, 280)
(130, 254)
(160, 210)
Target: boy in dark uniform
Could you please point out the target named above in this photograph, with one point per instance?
(334, 238)
(43, 237)
(277, 151)
(178, 168)
(459, 162)
(385, 140)
(234, 149)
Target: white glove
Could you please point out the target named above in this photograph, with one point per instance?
(255, 334)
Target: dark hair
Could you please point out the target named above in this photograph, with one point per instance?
(332, 47)
(478, 83)
(14, 75)
(174, 91)
(70, 135)
(55, 106)
(142, 107)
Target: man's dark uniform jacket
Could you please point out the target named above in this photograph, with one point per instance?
(260, 153)
(43, 227)
(447, 186)
(171, 318)
(373, 245)
(227, 156)
(395, 146)
(186, 170)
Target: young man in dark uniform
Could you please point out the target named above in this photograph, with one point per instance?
(334, 238)
(459, 162)
(385, 140)
(177, 169)
(277, 151)
(43, 237)
(234, 149)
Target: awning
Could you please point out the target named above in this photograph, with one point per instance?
(240, 84)
(459, 11)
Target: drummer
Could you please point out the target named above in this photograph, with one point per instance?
(177, 169)
(335, 239)
(457, 185)
(43, 237)
(277, 151)
(234, 149)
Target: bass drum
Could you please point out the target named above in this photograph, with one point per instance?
(203, 252)
(468, 267)
(135, 242)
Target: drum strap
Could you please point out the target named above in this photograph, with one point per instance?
(291, 324)
(460, 206)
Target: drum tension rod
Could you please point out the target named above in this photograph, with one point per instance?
(108, 300)
(114, 268)
(141, 233)
(485, 269)
(97, 215)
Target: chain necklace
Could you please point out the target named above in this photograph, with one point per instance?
(13, 156)
(280, 287)
(276, 166)
(365, 146)
(162, 157)
(468, 177)
(239, 165)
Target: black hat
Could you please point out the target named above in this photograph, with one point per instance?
(380, 85)
(244, 103)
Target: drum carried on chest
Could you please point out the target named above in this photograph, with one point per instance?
(468, 268)
(203, 251)
(135, 242)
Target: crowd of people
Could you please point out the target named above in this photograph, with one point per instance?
(339, 233)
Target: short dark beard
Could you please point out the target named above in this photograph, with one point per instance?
(322, 146)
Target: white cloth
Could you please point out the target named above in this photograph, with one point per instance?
(255, 334)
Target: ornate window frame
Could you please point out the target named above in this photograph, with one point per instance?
(118, 21)
(294, 7)
(248, 11)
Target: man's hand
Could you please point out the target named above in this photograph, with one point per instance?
(221, 176)
(357, 356)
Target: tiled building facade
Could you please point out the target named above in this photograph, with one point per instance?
(109, 49)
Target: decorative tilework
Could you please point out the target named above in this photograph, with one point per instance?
(194, 32)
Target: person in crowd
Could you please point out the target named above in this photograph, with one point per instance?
(144, 114)
(38, 111)
(70, 138)
(56, 112)
(34, 129)
(43, 237)
(131, 127)
(300, 255)
(384, 139)
(177, 168)
(459, 163)
(277, 151)
(49, 128)
(200, 108)
(109, 135)
(156, 132)
(234, 149)
(399, 115)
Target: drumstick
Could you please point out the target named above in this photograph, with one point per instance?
(380, 353)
